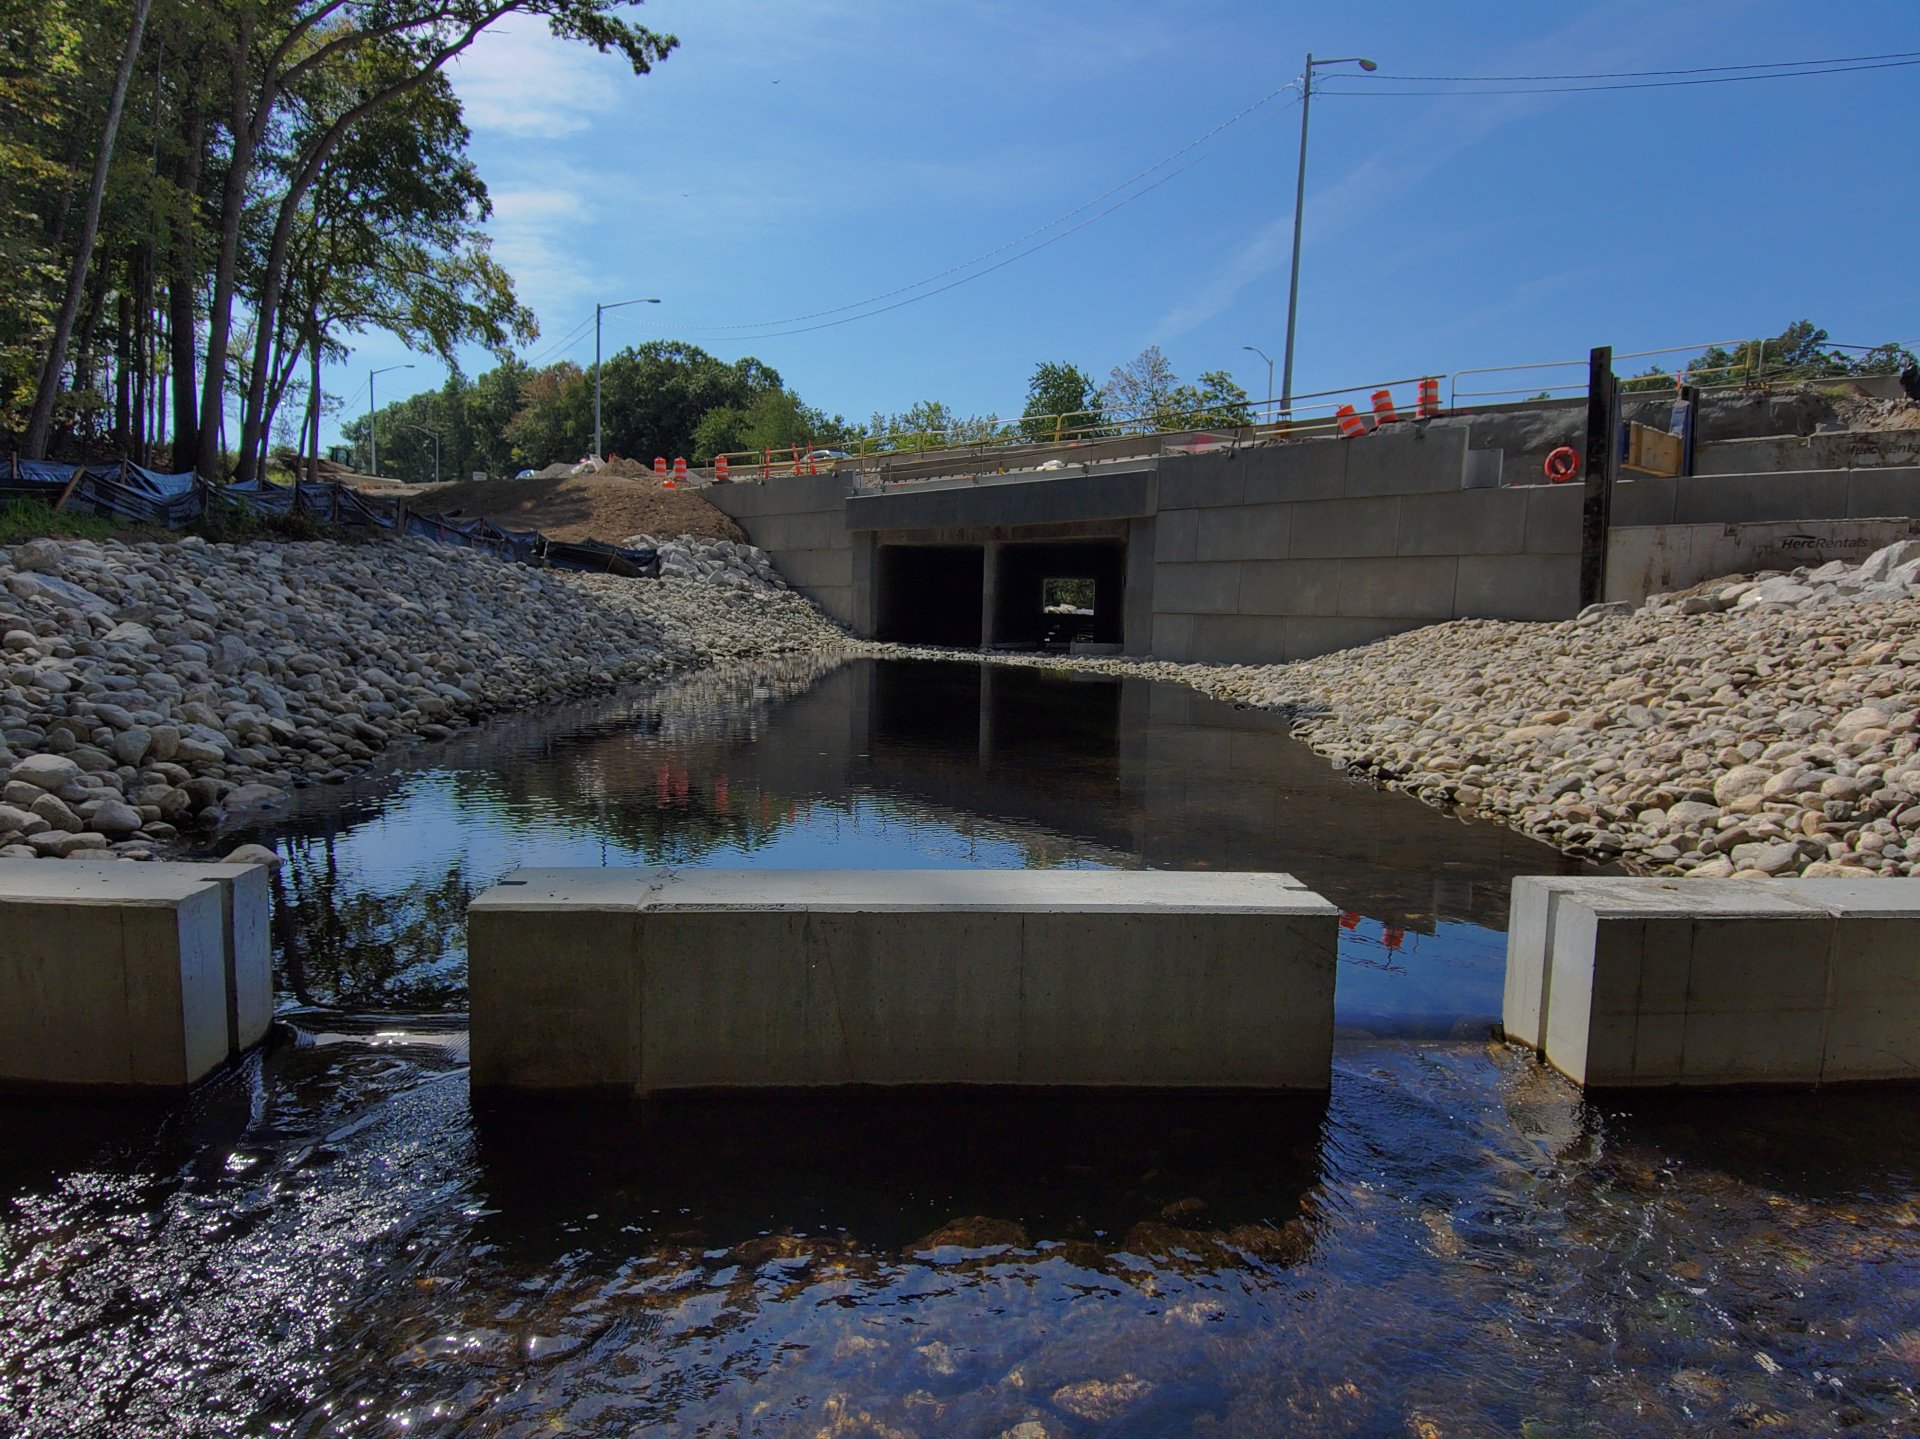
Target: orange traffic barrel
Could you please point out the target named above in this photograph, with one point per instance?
(1383, 408)
(720, 468)
(1351, 425)
(680, 468)
(659, 464)
(1429, 398)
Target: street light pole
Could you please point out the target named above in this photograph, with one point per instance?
(1299, 207)
(1269, 359)
(598, 311)
(373, 438)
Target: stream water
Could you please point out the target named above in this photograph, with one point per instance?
(330, 1240)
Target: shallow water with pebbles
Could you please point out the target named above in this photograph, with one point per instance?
(332, 1240)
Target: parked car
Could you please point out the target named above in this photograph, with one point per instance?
(526, 474)
(814, 456)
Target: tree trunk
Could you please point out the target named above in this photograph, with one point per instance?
(123, 376)
(39, 426)
(182, 282)
(246, 125)
(274, 272)
(313, 397)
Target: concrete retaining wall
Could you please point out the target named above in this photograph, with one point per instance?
(130, 976)
(652, 980)
(1291, 551)
(1282, 552)
(1632, 983)
(801, 521)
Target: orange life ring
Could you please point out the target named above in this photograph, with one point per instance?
(1562, 464)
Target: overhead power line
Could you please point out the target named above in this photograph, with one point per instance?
(1645, 74)
(1558, 88)
(723, 331)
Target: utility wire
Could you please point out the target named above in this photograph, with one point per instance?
(562, 345)
(1646, 74)
(1635, 85)
(964, 279)
(1054, 223)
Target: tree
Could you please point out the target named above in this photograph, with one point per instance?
(1148, 392)
(1142, 390)
(1063, 403)
(276, 50)
(1802, 351)
(56, 360)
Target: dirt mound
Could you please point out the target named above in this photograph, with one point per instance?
(580, 507)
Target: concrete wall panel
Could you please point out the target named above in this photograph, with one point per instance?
(1206, 589)
(1553, 519)
(1518, 587)
(1746, 499)
(1200, 481)
(1464, 522)
(1334, 529)
(1290, 473)
(1244, 532)
(1883, 492)
(1405, 459)
(1290, 587)
(1418, 589)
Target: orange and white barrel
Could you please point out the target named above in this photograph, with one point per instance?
(660, 464)
(720, 468)
(1429, 398)
(680, 469)
(1351, 425)
(1383, 408)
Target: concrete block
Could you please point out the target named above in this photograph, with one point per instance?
(1553, 519)
(112, 976)
(1200, 589)
(1745, 499)
(656, 980)
(1298, 470)
(1517, 587)
(1418, 589)
(1463, 522)
(1199, 481)
(1406, 459)
(1338, 529)
(1638, 982)
(1176, 537)
(1172, 636)
(1643, 500)
(1291, 587)
(1484, 470)
(1244, 532)
(1883, 492)
(246, 914)
(1239, 639)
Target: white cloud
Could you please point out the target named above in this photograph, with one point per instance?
(518, 80)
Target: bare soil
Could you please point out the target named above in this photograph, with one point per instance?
(586, 507)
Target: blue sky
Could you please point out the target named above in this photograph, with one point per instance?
(794, 156)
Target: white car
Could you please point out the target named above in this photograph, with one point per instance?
(816, 455)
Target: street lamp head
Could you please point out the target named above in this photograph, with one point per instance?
(1368, 66)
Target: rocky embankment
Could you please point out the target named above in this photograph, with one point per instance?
(150, 690)
(1761, 725)
(727, 563)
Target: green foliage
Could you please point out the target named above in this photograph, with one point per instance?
(1063, 403)
(31, 519)
(1147, 392)
(1802, 351)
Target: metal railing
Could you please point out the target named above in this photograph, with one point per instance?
(1750, 368)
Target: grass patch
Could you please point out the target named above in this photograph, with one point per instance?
(22, 520)
(225, 522)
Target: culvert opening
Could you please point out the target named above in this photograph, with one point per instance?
(930, 594)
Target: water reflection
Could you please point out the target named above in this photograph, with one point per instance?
(900, 765)
(328, 1241)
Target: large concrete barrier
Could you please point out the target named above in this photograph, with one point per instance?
(130, 976)
(1635, 983)
(653, 980)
